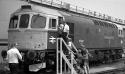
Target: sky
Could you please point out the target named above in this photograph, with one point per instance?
(114, 8)
(6, 8)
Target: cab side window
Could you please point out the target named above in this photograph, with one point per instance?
(52, 23)
(120, 33)
(13, 22)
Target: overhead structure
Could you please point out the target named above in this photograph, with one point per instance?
(76, 9)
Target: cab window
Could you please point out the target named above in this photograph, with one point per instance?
(52, 23)
(13, 22)
(38, 21)
(120, 33)
(24, 21)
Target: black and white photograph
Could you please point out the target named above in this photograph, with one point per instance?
(62, 37)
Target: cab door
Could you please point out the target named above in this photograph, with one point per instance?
(71, 30)
(123, 37)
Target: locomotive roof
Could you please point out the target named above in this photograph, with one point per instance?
(39, 9)
(56, 12)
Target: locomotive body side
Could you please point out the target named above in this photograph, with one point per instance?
(100, 37)
(95, 35)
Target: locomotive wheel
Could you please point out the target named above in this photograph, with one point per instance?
(113, 55)
(100, 57)
(42, 55)
(31, 55)
(108, 57)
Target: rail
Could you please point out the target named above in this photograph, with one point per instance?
(77, 9)
(61, 56)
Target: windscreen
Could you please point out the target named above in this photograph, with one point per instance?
(38, 21)
(24, 21)
(13, 22)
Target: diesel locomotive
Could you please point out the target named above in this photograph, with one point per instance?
(35, 29)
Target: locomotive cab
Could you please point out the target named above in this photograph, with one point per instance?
(35, 31)
(27, 25)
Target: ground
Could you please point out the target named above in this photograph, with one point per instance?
(93, 70)
(4, 68)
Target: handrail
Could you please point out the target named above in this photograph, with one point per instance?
(81, 10)
(62, 55)
(68, 46)
(69, 64)
(57, 56)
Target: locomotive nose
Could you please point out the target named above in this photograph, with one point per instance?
(29, 40)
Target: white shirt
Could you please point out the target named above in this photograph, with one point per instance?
(66, 28)
(70, 44)
(13, 55)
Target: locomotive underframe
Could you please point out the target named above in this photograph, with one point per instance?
(101, 56)
(31, 57)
